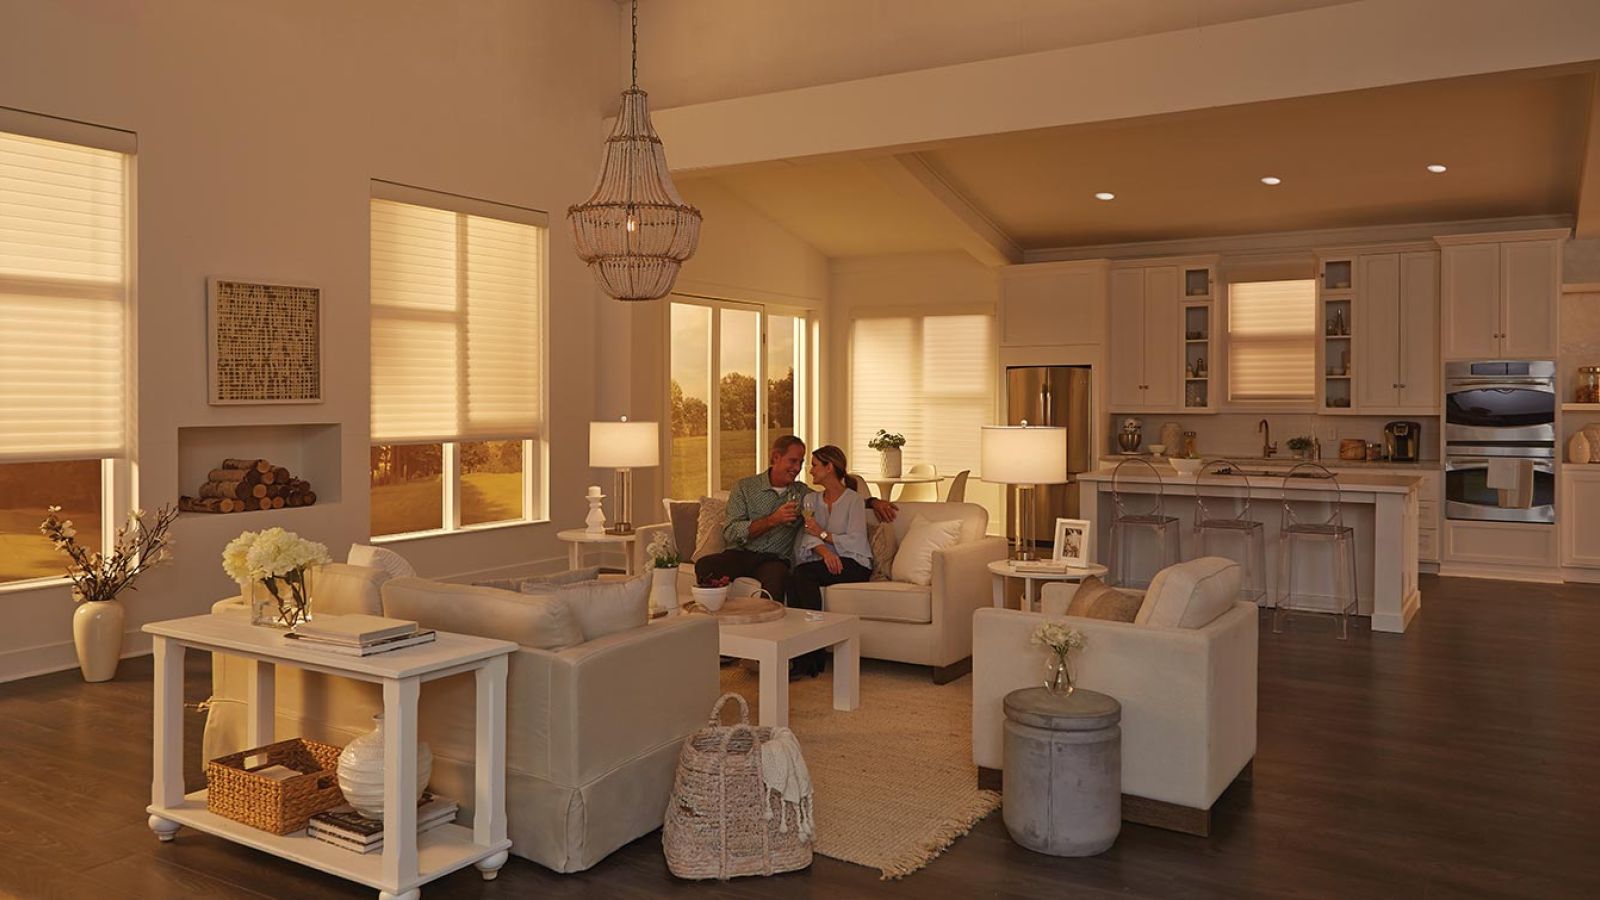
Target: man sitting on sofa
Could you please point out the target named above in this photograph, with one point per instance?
(764, 520)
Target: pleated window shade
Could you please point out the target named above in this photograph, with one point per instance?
(457, 307)
(63, 300)
(930, 378)
(1272, 340)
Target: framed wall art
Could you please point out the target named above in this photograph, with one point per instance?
(263, 342)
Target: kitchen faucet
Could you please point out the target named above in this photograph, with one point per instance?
(1267, 446)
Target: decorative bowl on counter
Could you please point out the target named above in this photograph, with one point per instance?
(1186, 466)
(1158, 449)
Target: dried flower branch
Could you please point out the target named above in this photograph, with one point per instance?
(137, 547)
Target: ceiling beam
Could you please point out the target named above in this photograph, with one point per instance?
(1588, 206)
(935, 199)
(1344, 47)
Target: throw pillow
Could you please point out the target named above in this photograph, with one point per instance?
(604, 607)
(541, 622)
(881, 536)
(684, 516)
(913, 561)
(1190, 594)
(380, 558)
(708, 531)
(1097, 600)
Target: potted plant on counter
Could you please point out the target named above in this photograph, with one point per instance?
(888, 445)
(1302, 446)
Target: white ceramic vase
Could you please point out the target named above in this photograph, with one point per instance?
(664, 590)
(97, 633)
(891, 462)
(361, 770)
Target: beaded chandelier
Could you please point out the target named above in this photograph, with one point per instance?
(634, 231)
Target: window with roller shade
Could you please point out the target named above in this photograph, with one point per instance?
(1272, 341)
(64, 357)
(458, 362)
(930, 378)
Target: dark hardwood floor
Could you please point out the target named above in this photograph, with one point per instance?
(1459, 760)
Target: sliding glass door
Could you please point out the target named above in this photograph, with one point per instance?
(737, 375)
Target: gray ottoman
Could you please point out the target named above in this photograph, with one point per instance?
(1063, 771)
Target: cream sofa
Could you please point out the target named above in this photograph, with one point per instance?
(593, 731)
(926, 625)
(1188, 694)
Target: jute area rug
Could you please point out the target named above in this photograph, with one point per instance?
(894, 781)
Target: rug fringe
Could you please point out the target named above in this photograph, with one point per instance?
(984, 803)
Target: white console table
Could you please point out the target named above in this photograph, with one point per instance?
(408, 860)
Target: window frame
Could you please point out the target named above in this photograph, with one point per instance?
(804, 389)
(535, 449)
(1226, 403)
(119, 486)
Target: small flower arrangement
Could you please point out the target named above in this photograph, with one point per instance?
(883, 440)
(1300, 442)
(137, 547)
(715, 581)
(1060, 640)
(279, 561)
(662, 554)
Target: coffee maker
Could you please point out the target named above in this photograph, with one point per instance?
(1402, 441)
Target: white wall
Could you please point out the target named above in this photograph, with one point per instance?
(259, 127)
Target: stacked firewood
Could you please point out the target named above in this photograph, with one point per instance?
(246, 484)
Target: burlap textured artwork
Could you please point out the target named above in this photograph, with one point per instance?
(264, 342)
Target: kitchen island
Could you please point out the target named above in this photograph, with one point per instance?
(1381, 508)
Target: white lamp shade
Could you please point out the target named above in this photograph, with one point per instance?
(1024, 454)
(624, 445)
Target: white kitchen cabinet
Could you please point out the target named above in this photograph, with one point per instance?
(1146, 346)
(1053, 304)
(1499, 295)
(1580, 516)
(1397, 328)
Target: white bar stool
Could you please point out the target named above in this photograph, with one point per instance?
(1222, 517)
(1297, 534)
(1130, 522)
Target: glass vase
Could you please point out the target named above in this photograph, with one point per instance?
(1058, 678)
(282, 601)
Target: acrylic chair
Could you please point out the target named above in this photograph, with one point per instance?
(1136, 514)
(1222, 521)
(1300, 533)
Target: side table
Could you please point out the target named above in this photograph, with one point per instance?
(408, 860)
(1002, 569)
(1063, 765)
(578, 537)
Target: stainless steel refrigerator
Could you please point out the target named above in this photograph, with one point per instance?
(1051, 395)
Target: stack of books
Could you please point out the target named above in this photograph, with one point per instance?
(343, 827)
(1039, 566)
(359, 635)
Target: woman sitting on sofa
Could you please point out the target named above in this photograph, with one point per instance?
(833, 548)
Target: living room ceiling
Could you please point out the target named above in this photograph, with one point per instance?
(1514, 144)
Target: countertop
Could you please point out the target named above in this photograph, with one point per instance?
(1375, 483)
(1252, 462)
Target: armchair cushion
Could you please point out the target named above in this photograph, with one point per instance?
(880, 535)
(1190, 594)
(343, 589)
(540, 621)
(913, 561)
(882, 601)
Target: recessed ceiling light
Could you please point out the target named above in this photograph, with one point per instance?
(1105, 195)
(1436, 168)
(1272, 179)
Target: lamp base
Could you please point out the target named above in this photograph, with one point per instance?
(1022, 548)
(620, 528)
(622, 508)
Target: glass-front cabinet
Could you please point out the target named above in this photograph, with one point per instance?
(1336, 324)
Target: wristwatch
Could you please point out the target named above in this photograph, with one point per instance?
(826, 536)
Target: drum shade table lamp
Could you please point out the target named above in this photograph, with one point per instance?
(1024, 455)
(624, 446)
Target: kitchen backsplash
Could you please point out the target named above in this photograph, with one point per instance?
(1236, 434)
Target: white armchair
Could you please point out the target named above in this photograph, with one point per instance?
(1188, 696)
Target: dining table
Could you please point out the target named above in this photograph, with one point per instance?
(886, 485)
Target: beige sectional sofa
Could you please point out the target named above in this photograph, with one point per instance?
(593, 727)
(1184, 672)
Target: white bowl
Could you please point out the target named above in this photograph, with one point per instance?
(1158, 449)
(711, 598)
(1186, 466)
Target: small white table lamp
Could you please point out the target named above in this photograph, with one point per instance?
(624, 446)
(1024, 455)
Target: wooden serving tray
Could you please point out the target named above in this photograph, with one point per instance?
(741, 611)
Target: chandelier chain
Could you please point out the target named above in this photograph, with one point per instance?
(635, 43)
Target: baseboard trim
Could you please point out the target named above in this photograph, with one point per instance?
(27, 662)
(1536, 575)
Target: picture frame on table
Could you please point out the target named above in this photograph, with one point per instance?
(1073, 542)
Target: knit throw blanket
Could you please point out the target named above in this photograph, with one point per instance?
(783, 770)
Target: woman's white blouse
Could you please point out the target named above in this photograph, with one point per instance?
(846, 523)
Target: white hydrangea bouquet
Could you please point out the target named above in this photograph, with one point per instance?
(1060, 640)
(662, 554)
(273, 568)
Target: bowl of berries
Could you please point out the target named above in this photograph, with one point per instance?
(712, 592)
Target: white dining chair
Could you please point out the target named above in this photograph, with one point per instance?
(920, 492)
(958, 487)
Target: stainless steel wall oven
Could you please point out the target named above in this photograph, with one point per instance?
(1500, 431)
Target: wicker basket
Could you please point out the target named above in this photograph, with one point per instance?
(280, 807)
(722, 822)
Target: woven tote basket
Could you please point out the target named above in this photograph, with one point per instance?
(280, 807)
(722, 822)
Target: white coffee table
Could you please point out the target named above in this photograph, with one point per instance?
(773, 644)
(408, 860)
(1002, 569)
